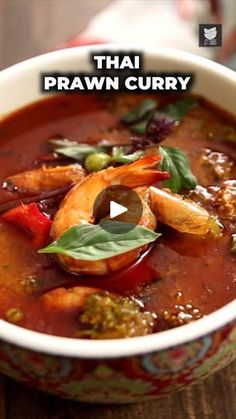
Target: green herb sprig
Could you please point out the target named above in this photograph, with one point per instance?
(76, 151)
(139, 112)
(177, 110)
(147, 111)
(176, 163)
(119, 156)
(79, 151)
(92, 242)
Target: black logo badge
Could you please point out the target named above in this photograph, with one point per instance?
(210, 35)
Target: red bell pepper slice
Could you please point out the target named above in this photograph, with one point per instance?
(31, 219)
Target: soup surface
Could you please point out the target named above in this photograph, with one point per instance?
(178, 278)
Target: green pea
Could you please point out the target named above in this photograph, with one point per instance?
(14, 315)
(97, 161)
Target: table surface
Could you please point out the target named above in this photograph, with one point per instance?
(27, 28)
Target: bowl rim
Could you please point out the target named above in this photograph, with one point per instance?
(118, 348)
(111, 348)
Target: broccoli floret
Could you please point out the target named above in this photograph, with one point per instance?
(107, 316)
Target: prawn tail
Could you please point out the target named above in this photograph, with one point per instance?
(142, 172)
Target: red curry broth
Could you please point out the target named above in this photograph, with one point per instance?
(179, 269)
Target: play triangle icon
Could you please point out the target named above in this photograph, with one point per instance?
(116, 209)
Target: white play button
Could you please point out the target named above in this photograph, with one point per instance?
(116, 209)
(118, 204)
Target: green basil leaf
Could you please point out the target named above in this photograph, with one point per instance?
(91, 242)
(76, 150)
(179, 109)
(176, 163)
(62, 142)
(119, 156)
(140, 111)
(140, 127)
(233, 248)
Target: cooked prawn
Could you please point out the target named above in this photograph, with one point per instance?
(180, 213)
(45, 178)
(67, 298)
(77, 208)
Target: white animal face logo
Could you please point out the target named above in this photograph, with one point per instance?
(210, 33)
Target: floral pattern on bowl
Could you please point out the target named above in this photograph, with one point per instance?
(121, 380)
